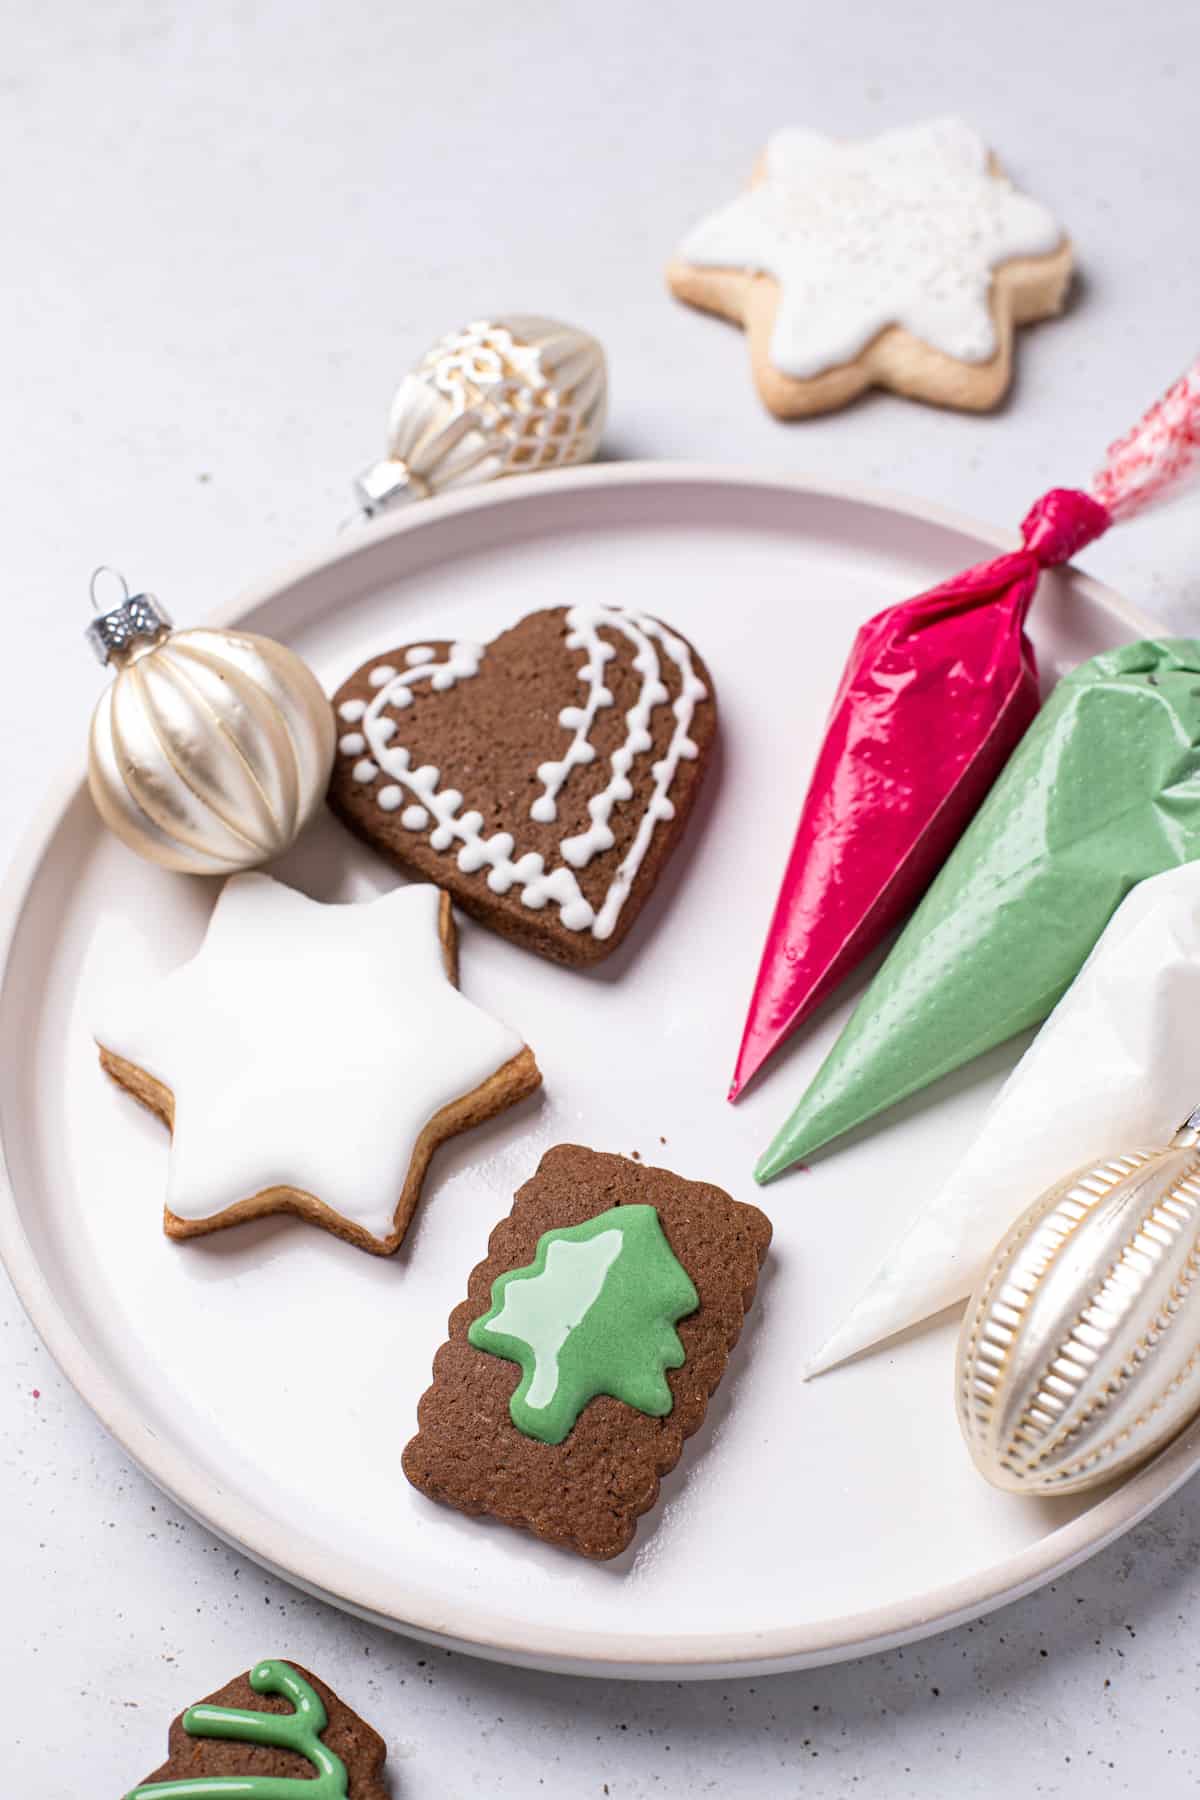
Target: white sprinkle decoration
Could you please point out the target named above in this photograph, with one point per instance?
(440, 808)
(352, 711)
(352, 744)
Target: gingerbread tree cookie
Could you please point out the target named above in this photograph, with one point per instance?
(275, 1733)
(585, 1353)
(903, 261)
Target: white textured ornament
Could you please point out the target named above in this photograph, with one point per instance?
(903, 229)
(1115, 1064)
(505, 396)
(1080, 1353)
(307, 1047)
(212, 749)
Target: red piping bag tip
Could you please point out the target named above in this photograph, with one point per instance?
(750, 1060)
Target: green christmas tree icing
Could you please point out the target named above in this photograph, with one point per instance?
(299, 1731)
(594, 1313)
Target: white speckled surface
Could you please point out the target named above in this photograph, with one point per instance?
(226, 232)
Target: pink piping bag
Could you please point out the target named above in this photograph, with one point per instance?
(935, 696)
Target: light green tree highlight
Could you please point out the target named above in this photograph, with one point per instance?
(594, 1313)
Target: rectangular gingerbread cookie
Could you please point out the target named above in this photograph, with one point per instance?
(607, 1278)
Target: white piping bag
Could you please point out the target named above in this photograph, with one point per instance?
(1116, 1064)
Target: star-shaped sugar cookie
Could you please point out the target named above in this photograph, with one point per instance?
(310, 1058)
(902, 261)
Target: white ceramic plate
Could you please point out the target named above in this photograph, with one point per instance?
(268, 1377)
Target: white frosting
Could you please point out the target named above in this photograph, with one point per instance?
(544, 1310)
(498, 853)
(307, 1046)
(901, 229)
(1112, 1069)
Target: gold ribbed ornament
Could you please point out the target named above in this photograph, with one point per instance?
(1079, 1355)
(503, 396)
(212, 749)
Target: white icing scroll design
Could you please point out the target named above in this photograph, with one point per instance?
(438, 809)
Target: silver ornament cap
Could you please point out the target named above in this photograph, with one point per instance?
(1079, 1355)
(136, 619)
(504, 396)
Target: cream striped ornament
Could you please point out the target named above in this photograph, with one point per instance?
(1079, 1355)
(212, 749)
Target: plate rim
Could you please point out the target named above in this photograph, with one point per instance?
(466, 1626)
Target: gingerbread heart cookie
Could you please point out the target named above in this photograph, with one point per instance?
(543, 780)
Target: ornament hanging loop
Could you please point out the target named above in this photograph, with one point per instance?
(100, 570)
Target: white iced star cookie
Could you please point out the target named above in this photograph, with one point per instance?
(309, 1059)
(902, 261)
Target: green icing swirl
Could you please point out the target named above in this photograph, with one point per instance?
(594, 1313)
(299, 1731)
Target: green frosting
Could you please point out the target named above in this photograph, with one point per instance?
(299, 1731)
(594, 1313)
(1103, 791)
